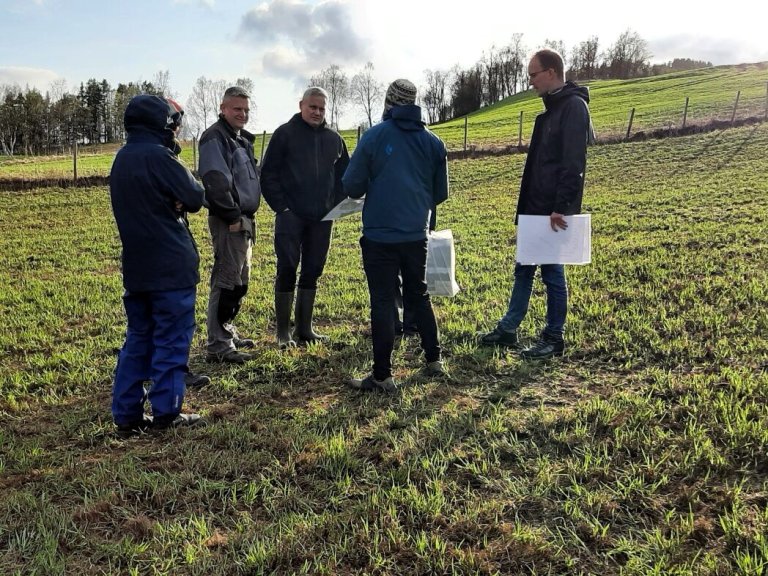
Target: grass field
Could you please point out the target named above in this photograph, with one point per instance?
(643, 451)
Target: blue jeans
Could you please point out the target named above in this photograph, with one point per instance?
(157, 341)
(553, 276)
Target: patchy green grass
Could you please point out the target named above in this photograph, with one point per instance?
(643, 451)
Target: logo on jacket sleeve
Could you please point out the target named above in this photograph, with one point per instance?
(388, 150)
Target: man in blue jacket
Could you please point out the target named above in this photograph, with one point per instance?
(401, 169)
(301, 181)
(552, 185)
(150, 192)
(231, 179)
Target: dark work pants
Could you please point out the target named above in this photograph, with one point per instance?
(382, 262)
(299, 240)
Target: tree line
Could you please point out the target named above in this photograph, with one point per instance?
(36, 123)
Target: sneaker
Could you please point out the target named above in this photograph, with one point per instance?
(192, 380)
(500, 337)
(230, 356)
(546, 347)
(435, 368)
(243, 343)
(179, 421)
(134, 428)
(410, 330)
(370, 383)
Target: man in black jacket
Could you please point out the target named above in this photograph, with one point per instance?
(231, 179)
(552, 185)
(301, 181)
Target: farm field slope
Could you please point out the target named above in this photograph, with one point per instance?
(644, 450)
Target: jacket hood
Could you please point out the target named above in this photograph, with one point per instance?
(150, 113)
(406, 117)
(568, 89)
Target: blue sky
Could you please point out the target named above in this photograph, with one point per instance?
(280, 43)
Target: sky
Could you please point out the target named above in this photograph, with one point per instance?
(280, 44)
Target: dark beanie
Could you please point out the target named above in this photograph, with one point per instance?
(400, 93)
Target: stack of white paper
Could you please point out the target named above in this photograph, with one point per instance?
(345, 207)
(537, 243)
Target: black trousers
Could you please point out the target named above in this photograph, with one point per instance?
(299, 240)
(382, 262)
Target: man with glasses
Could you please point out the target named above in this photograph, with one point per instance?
(552, 185)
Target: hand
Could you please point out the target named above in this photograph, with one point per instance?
(179, 206)
(236, 227)
(557, 221)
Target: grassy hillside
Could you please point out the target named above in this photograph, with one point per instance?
(643, 451)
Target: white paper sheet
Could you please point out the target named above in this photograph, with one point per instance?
(345, 207)
(537, 243)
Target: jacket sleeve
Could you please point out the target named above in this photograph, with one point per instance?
(440, 179)
(358, 174)
(177, 182)
(217, 179)
(341, 167)
(574, 127)
(271, 169)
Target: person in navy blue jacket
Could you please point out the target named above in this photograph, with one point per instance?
(401, 169)
(150, 191)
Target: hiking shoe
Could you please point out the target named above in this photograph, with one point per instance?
(241, 343)
(192, 380)
(546, 347)
(178, 421)
(230, 356)
(370, 383)
(500, 337)
(435, 368)
(134, 428)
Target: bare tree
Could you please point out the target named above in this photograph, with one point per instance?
(246, 84)
(512, 65)
(336, 83)
(628, 57)
(435, 95)
(559, 47)
(202, 106)
(366, 91)
(584, 60)
(162, 83)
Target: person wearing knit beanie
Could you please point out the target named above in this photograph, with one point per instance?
(401, 92)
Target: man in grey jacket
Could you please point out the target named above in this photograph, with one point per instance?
(231, 179)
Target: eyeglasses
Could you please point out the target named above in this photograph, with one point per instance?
(532, 75)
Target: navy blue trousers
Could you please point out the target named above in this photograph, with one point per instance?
(156, 349)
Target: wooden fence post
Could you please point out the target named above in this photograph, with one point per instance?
(735, 105)
(520, 131)
(685, 112)
(74, 163)
(263, 143)
(629, 126)
(358, 136)
(466, 119)
(194, 154)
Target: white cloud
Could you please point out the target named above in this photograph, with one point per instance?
(207, 3)
(39, 78)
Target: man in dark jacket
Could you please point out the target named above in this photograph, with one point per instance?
(301, 181)
(231, 179)
(150, 191)
(552, 185)
(401, 169)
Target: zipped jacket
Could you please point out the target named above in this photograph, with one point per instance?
(302, 169)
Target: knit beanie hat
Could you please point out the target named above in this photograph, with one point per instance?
(400, 93)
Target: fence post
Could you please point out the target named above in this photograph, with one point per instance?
(358, 136)
(629, 126)
(520, 131)
(194, 154)
(263, 143)
(685, 112)
(465, 132)
(735, 105)
(74, 162)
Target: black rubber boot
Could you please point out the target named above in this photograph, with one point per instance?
(283, 305)
(305, 304)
